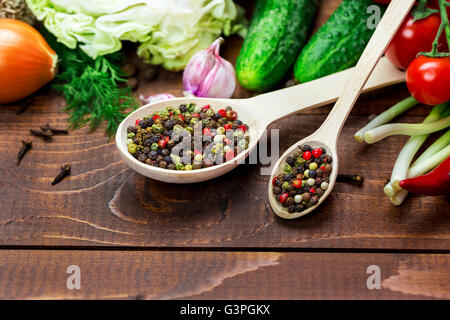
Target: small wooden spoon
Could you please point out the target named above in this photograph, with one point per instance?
(327, 135)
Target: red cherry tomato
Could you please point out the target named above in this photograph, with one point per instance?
(428, 79)
(414, 37)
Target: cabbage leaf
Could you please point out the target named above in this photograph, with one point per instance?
(169, 31)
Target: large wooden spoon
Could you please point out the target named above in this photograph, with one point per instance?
(328, 134)
(258, 112)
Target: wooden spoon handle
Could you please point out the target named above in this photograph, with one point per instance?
(391, 21)
(285, 102)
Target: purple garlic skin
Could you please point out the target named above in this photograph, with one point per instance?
(209, 75)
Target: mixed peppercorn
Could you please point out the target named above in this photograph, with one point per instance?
(304, 179)
(187, 137)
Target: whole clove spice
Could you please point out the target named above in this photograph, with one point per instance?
(47, 127)
(44, 134)
(356, 179)
(65, 172)
(26, 146)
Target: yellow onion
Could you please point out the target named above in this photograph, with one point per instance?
(26, 60)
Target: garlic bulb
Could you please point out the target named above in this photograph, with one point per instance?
(209, 75)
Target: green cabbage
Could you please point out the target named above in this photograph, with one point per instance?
(169, 31)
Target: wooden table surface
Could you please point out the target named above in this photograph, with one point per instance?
(134, 237)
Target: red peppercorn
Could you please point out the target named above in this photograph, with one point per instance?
(231, 115)
(222, 112)
(312, 190)
(229, 155)
(322, 167)
(137, 121)
(243, 128)
(197, 152)
(196, 115)
(227, 141)
(296, 183)
(207, 132)
(274, 181)
(162, 143)
(206, 107)
(170, 114)
(317, 152)
(283, 197)
(306, 155)
(181, 117)
(227, 126)
(155, 117)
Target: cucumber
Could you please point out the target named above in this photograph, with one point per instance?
(277, 32)
(338, 44)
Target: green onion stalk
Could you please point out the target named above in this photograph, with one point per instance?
(425, 165)
(386, 116)
(404, 159)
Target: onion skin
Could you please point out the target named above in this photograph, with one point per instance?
(26, 60)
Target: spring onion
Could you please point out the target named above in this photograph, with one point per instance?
(435, 154)
(409, 129)
(409, 150)
(386, 116)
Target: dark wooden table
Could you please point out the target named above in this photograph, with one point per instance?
(134, 237)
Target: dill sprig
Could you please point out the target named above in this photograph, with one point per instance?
(91, 87)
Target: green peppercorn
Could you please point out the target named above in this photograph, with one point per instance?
(132, 148)
(287, 168)
(188, 167)
(285, 185)
(313, 166)
(179, 166)
(243, 144)
(238, 134)
(191, 107)
(130, 135)
(177, 128)
(154, 146)
(209, 112)
(306, 173)
(157, 128)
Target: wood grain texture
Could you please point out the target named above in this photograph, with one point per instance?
(104, 203)
(41, 274)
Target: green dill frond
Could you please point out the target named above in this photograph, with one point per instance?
(90, 87)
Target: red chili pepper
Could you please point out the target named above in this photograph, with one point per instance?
(181, 117)
(283, 197)
(435, 183)
(227, 126)
(222, 112)
(156, 117)
(137, 121)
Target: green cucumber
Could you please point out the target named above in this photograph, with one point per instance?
(339, 43)
(277, 32)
